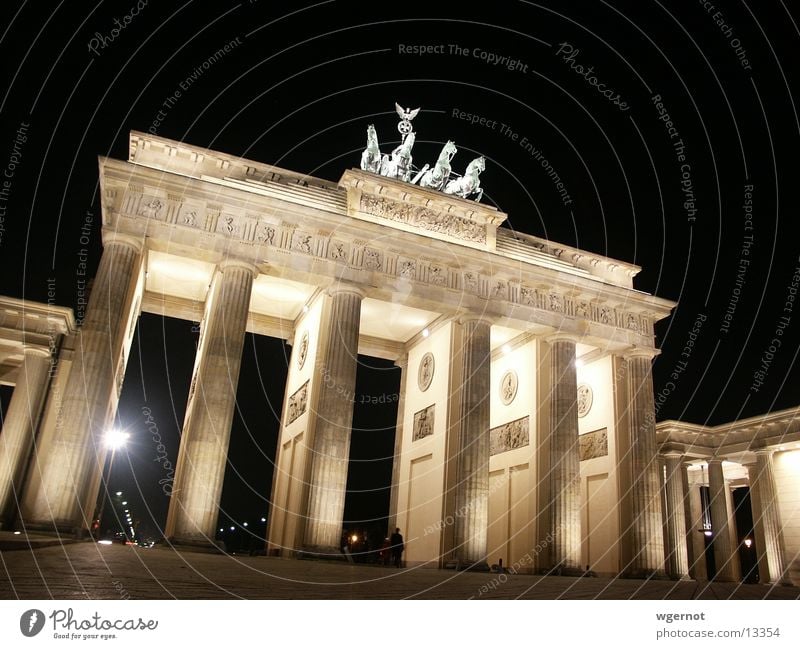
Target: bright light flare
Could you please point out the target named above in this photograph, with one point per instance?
(116, 439)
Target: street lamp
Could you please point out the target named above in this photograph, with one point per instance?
(114, 439)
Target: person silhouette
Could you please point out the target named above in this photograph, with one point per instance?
(396, 542)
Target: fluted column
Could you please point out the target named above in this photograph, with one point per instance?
(678, 558)
(63, 500)
(647, 529)
(194, 503)
(766, 519)
(402, 363)
(331, 444)
(723, 549)
(565, 478)
(472, 476)
(20, 427)
(696, 570)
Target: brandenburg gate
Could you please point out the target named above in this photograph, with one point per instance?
(526, 424)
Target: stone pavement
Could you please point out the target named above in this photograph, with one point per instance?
(88, 570)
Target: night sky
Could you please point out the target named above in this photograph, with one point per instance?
(672, 125)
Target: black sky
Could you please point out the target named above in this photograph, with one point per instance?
(299, 86)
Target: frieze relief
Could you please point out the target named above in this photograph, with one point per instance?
(594, 444)
(204, 216)
(297, 403)
(423, 423)
(421, 217)
(514, 434)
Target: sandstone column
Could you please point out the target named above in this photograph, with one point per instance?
(194, 503)
(695, 555)
(19, 429)
(565, 479)
(472, 455)
(724, 556)
(331, 443)
(647, 530)
(63, 499)
(766, 520)
(402, 363)
(678, 559)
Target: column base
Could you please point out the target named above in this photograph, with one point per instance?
(645, 574)
(194, 545)
(680, 577)
(60, 530)
(568, 571)
(458, 564)
(323, 553)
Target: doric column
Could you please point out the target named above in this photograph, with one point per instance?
(19, 428)
(723, 550)
(565, 478)
(63, 500)
(691, 529)
(647, 530)
(331, 443)
(677, 560)
(472, 455)
(766, 519)
(402, 363)
(194, 503)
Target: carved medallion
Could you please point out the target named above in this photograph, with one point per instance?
(302, 351)
(508, 387)
(585, 398)
(423, 423)
(425, 373)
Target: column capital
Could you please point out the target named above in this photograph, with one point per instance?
(640, 352)
(764, 452)
(716, 460)
(345, 287)
(36, 350)
(119, 238)
(562, 337)
(238, 263)
(468, 316)
(672, 454)
(402, 361)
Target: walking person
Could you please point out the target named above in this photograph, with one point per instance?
(397, 547)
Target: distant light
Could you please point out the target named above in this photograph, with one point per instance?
(263, 520)
(354, 538)
(707, 532)
(506, 348)
(104, 542)
(126, 511)
(245, 523)
(17, 532)
(221, 529)
(426, 332)
(578, 362)
(232, 528)
(119, 493)
(748, 542)
(124, 502)
(116, 438)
